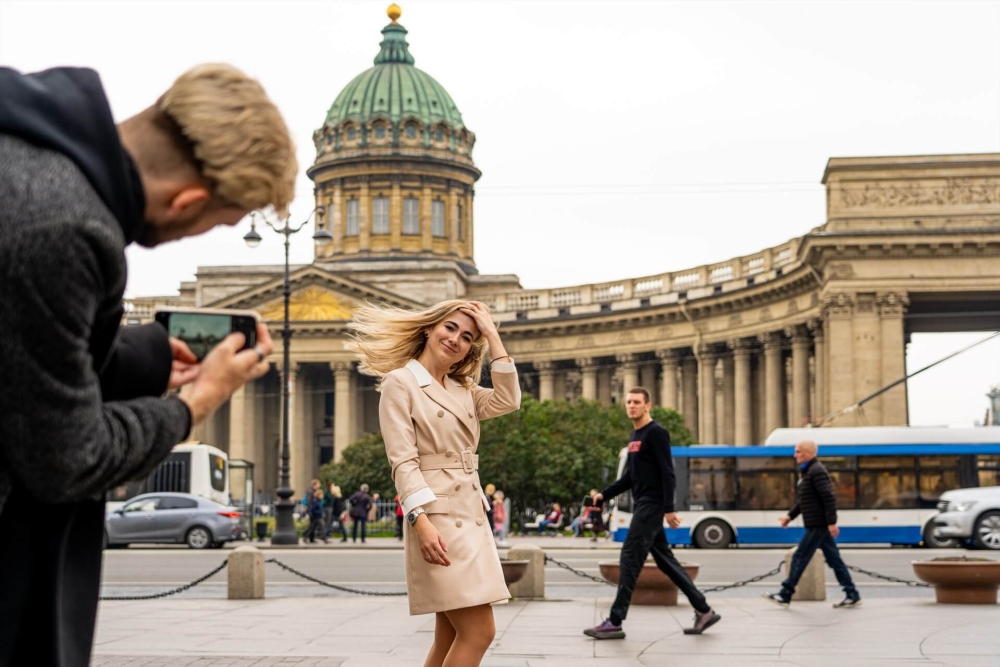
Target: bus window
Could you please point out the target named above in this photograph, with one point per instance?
(989, 470)
(766, 463)
(845, 489)
(839, 462)
(217, 471)
(882, 462)
(935, 482)
(767, 490)
(711, 483)
(888, 489)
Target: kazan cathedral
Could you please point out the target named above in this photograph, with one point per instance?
(778, 337)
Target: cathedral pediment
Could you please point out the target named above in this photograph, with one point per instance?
(317, 295)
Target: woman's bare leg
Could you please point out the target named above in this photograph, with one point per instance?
(444, 637)
(475, 630)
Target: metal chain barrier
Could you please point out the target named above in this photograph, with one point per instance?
(895, 580)
(738, 584)
(305, 576)
(180, 589)
(550, 559)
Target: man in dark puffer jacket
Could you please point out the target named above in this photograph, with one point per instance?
(817, 503)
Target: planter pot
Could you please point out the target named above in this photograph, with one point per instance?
(513, 570)
(960, 580)
(653, 587)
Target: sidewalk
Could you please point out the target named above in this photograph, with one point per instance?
(390, 543)
(378, 632)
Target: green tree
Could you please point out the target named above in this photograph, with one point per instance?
(363, 462)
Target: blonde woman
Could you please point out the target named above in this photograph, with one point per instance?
(430, 409)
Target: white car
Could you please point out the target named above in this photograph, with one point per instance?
(970, 514)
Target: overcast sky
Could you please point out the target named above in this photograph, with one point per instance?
(616, 139)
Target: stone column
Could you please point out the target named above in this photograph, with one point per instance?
(617, 386)
(647, 378)
(396, 212)
(799, 408)
(668, 377)
(707, 359)
(546, 380)
(892, 306)
(866, 330)
(296, 429)
(336, 216)
(819, 410)
(343, 416)
(364, 215)
(743, 422)
(259, 388)
(774, 374)
(426, 231)
(451, 217)
(839, 309)
(241, 424)
(629, 372)
(588, 379)
(727, 419)
(605, 387)
(689, 381)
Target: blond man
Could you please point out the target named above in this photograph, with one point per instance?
(81, 401)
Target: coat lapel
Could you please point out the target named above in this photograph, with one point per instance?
(450, 399)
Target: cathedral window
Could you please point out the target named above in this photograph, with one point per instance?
(353, 217)
(352, 134)
(438, 136)
(437, 219)
(411, 216)
(458, 222)
(380, 131)
(411, 131)
(380, 215)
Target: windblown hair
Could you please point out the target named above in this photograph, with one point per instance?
(387, 338)
(234, 134)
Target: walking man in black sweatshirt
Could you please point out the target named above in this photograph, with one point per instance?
(817, 503)
(649, 473)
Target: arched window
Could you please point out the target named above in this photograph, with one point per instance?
(380, 131)
(461, 234)
(438, 135)
(352, 133)
(411, 131)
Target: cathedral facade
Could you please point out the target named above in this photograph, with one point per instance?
(779, 337)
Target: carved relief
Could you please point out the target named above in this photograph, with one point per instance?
(735, 320)
(626, 337)
(585, 341)
(839, 304)
(765, 314)
(544, 344)
(892, 303)
(664, 332)
(311, 304)
(793, 307)
(954, 192)
(840, 271)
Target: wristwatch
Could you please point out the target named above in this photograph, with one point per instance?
(411, 518)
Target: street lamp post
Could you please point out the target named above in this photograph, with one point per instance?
(284, 529)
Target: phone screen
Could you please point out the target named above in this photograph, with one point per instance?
(203, 331)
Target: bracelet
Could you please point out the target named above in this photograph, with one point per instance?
(506, 356)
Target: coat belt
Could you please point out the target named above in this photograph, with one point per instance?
(464, 460)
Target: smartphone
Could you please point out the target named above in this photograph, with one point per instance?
(204, 328)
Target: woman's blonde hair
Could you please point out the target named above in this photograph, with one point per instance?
(237, 136)
(387, 338)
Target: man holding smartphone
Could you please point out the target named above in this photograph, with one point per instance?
(82, 406)
(649, 474)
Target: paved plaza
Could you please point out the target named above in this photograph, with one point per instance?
(378, 632)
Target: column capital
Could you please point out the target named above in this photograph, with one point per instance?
(708, 351)
(771, 340)
(626, 359)
(838, 305)
(741, 347)
(893, 304)
(668, 357)
(544, 366)
(798, 334)
(815, 327)
(587, 364)
(341, 367)
(396, 179)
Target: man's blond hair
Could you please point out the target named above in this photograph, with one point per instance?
(238, 139)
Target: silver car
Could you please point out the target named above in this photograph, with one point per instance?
(176, 518)
(970, 514)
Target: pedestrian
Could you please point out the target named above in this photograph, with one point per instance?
(316, 518)
(431, 405)
(361, 504)
(816, 501)
(327, 509)
(83, 398)
(373, 510)
(500, 519)
(579, 522)
(488, 492)
(551, 519)
(399, 518)
(649, 474)
(337, 513)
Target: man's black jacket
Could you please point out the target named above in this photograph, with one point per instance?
(814, 497)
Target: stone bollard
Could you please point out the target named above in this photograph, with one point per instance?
(246, 573)
(532, 585)
(812, 585)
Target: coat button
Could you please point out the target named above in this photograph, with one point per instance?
(440, 413)
(458, 487)
(458, 524)
(479, 522)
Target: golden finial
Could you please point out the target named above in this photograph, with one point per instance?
(394, 12)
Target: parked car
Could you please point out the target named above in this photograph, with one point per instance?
(172, 518)
(970, 514)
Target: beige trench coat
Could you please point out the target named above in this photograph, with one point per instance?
(431, 435)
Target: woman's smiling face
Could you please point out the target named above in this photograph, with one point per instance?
(451, 339)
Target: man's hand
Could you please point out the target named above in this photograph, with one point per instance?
(834, 530)
(226, 368)
(185, 367)
(784, 521)
(598, 498)
(673, 520)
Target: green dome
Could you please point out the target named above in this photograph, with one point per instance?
(395, 90)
